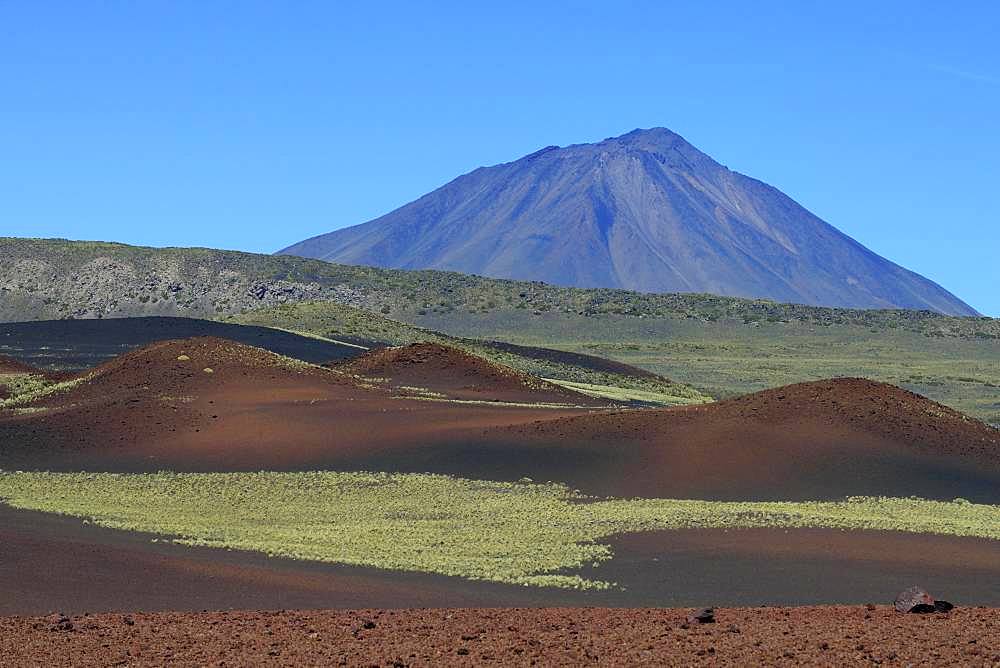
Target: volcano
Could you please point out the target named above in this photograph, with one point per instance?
(646, 211)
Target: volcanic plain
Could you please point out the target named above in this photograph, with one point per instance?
(842, 491)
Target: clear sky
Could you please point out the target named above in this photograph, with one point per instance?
(252, 125)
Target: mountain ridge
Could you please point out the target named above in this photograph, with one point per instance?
(646, 211)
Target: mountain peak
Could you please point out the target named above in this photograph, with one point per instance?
(650, 139)
(651, 135)
(644, 211)
(667, 147)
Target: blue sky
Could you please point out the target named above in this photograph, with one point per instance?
(253, 125)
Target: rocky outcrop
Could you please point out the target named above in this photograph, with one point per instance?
(52, 280)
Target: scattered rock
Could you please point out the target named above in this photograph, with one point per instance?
(916, 600)
(703, 616)
(60, 622)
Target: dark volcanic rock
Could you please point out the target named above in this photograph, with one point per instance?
(917, 600)
(703, 616)
(646, 211)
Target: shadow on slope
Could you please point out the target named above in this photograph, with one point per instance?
(820, 440)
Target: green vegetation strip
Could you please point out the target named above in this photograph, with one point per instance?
(520, 533)
(622, 394)
(27, 388)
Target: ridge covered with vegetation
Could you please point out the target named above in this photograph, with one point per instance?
(57, 278)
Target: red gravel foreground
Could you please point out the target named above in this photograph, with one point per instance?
(835, 635)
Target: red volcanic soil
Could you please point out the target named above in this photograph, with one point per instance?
(823, 636)
(863, 405)
(213, 404)
(824, 439)
(158, 408)
(9, 366)
(457, 374)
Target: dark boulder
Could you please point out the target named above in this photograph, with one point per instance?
(918, 601)
(703, 616)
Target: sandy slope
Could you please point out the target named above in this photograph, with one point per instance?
(456, 374)
(213, 404)
(825, 439)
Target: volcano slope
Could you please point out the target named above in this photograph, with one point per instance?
(212, 404)
(433, 369)
(816, 440)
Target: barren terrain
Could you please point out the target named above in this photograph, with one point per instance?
(210, 404)
(436, 370)
(825, 636)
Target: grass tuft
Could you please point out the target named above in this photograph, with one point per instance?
(32, 388)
